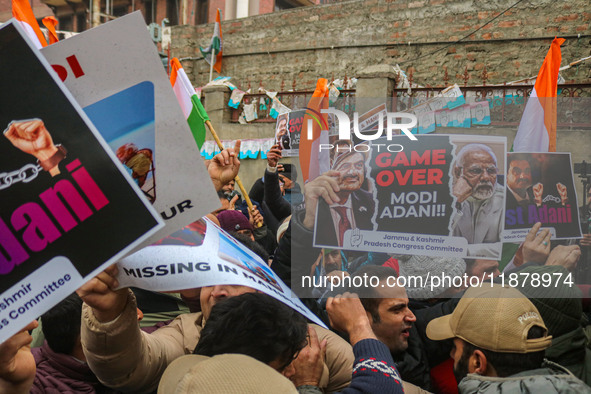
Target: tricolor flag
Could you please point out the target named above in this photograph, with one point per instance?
(537, 129)
(189, 102)
(312, 162)
(21, 10)
(50, 23)
(216, 44)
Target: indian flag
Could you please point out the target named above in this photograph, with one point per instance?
(21, 10)
(216, 45)
(537, 129)
(315, 132)
(189, 102)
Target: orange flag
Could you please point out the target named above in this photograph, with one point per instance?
(21, 10)
(537, 129)
(311, 162)
(50, 23)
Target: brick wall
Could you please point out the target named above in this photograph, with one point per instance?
(330, 40)
(160, 10)
(266, 6)
(213, 8)
(39, 9)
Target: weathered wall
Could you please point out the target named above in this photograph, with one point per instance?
(573, 140)
(330, 40)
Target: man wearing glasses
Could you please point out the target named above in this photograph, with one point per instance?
(479, 200)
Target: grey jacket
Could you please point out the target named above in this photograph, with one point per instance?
(551, 378)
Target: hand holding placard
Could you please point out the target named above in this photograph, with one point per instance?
(17, 364)
(99, 293)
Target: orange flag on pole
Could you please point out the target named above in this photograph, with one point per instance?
(537, 129)
(314, 133)
(21, 10)
(50, 23)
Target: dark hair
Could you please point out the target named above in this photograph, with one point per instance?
(222, 195)
(518, 157)
(290, 171)
(256, 325)
(507, 364)
(368, 296)
(254, 246)
(61, 324)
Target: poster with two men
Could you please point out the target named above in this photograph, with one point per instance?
(441, 195)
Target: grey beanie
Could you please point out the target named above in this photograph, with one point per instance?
(420, 270)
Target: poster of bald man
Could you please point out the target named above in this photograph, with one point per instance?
(479, 194)
(540, 188)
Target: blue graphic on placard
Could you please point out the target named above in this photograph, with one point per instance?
(236, 253)
(126, 122)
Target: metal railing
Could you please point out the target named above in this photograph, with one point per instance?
(293, 100)
(507, 102)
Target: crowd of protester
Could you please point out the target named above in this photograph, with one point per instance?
(384, 338)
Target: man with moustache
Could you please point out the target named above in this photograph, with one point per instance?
(519, 181)
(479, 200)
(354, 208)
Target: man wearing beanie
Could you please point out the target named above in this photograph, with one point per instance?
(499, 341)
(430, 269)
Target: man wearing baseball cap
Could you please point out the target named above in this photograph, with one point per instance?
(499, 340)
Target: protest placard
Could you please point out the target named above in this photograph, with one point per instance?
(371, 120)
(125, 92)
(288, 131)
(202, 254)
(68, 206)
(439, 195)
(540, 188)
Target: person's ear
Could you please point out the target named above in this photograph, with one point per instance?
(458, 171)
(478, 363)
(369, 317)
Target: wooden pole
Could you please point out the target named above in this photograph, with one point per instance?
(211, 69)
(237, 178)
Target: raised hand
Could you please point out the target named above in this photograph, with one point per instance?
(224, 166)
(536, 246)
(99, 293)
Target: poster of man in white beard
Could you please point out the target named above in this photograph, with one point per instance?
(479, 195)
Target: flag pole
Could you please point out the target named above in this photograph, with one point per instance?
(237, 178)
(211, 67)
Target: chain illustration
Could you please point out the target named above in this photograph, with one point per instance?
(26, 174)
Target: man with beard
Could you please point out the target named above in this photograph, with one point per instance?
(479, 200)
(499, 339)
(351, 206)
